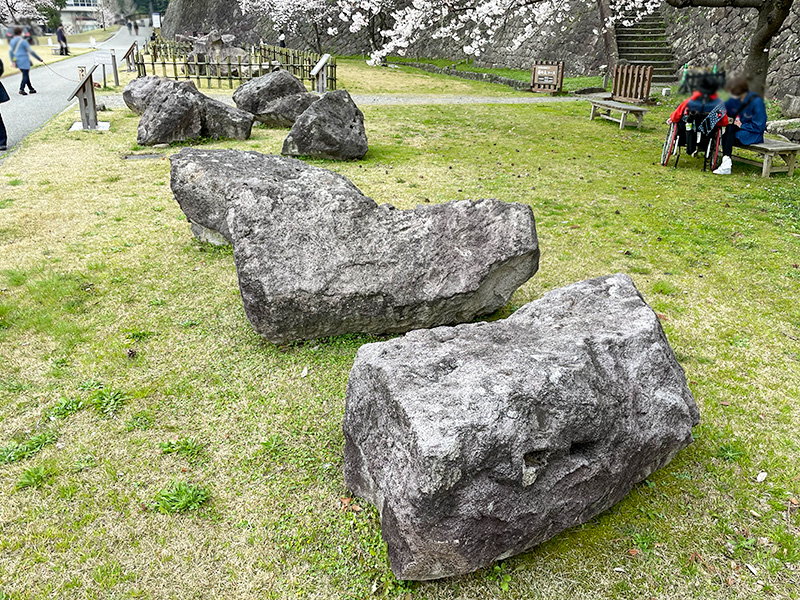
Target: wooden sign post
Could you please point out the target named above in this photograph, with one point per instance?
(319, 74)
(86, 102)
(547, 76)
(130, 56)
(107, 58)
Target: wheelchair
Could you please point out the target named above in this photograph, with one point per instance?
(699, 130)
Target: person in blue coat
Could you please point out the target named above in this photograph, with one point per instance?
(748, 121)
(21, 53)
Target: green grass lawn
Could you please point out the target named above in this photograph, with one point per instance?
(153, 446)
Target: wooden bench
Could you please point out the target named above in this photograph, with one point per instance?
(769, 149)
(631, 84)
(603, 109)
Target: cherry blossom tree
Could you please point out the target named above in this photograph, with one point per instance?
(16, 11)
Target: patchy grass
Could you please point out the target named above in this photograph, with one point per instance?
(180, 497)
(99, 262)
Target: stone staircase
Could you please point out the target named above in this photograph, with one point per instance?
(645, 43)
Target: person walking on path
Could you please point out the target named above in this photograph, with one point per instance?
(129, 25)
(3, 98)
(62, 41)
(21, 53)
(136, 28)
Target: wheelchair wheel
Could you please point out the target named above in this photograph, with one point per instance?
(714, 153)
(669, 144)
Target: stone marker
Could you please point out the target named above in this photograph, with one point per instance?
(255, 95)
(315, 257)
(479, 441)
(332, 127)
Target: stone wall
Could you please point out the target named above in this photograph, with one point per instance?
(201, 16)
(707, 36)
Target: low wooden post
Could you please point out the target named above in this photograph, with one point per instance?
(319, 75)
(86, 101)
(114, 67)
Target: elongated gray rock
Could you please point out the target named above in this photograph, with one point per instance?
(479, 441)
(332, 127)
(255, 95)
(315, 257)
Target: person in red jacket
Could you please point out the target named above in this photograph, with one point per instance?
(703, 101)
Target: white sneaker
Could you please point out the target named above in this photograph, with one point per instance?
(725, 167)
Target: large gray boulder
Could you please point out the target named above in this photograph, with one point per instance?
(173, 114)
(790, 107)
(176, 111)
(138, 92)
(284, 111)
(479, 441)
(315, 257)
(226, 122)
(332, 128)
(255, 95)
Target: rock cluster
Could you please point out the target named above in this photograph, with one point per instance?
(330, 126)
(276, 99)
(175, 111)
(790, 107)
(315, 257)
(478, 441)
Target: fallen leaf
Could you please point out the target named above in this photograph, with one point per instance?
(725, 403)
(751, 568)
(761, 477)
(794, 501)
(305, 372)
(755, 514)
(634, 551)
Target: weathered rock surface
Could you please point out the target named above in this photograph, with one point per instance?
(284, 111)
(315, 257)
(332, 127)
(790, 106)
(788, 128)
(479, 441)
(138, 92)
(255, 95)
(223, 121)
(173, 114)
(175, 111)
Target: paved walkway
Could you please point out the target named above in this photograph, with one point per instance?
(23, 115)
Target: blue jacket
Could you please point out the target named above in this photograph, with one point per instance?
(19, 52)
(753, 117)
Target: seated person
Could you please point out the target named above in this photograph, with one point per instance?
(703, 103)
(749, 116)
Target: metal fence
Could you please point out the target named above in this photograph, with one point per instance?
(176, 61)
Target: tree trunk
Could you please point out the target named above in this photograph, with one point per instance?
(771, 17)
(609, 35)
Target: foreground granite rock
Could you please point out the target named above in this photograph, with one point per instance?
(332, 127)
(790, 107)
(315, 257)
(175, 111)
(256, 95)
(479, 441)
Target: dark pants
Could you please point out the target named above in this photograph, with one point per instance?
(3, 134)
(26, 80)
(729, 140)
